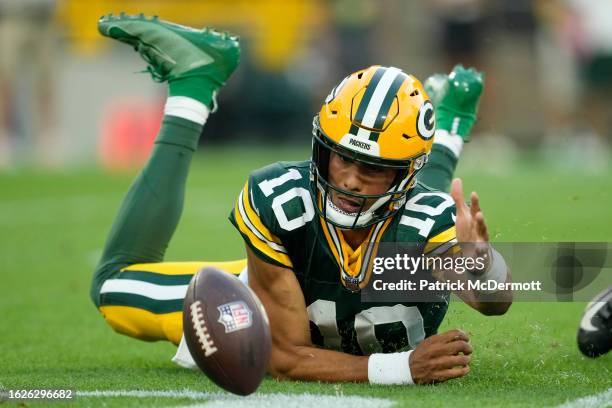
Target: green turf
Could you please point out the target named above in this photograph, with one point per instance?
(52, 227)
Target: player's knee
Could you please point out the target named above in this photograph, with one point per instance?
(94, 292)
(122, 326)
(104, 271)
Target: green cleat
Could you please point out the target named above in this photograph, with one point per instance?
(174, 51)
(456, 97)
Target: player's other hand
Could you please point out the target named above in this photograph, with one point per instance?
(441, 357)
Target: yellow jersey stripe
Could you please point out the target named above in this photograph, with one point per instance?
(330, 242)
(435, 246)
(440, 239)
(351, 261)
(259, 244)
(187, 268)
(353, 255)
(451, 247)
(445, 235)
(368, 254)
(376, 234)
(247, 223)
(254, 218)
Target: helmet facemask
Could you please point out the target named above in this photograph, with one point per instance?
(384, 206)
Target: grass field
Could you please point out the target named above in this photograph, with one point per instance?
(52, 227)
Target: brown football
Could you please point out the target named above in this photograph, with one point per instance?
(227, 331)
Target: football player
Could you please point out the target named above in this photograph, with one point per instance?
(307, 224)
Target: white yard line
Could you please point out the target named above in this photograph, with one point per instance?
(196, 395)
(601, 400)
(222, 400)
(295, 401)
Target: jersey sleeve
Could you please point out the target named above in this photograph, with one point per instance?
(429, 219)
(443, 235)
(253, 218)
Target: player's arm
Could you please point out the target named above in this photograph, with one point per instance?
(472, 231)
(456, 97)
(293, 354)
(488, 303)
(438, 358)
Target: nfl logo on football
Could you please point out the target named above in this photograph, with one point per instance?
(235, 316)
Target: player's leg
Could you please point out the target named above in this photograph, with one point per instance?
(144, 301)
(455, 98)
(439, 170)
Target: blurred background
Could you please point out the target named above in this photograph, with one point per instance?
(78, 118)
(68, 96)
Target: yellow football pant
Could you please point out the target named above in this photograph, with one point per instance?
(144, 301)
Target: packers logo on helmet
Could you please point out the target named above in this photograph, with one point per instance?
(425, 121)
(379, 116)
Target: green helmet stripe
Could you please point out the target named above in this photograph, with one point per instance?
(386, 105)
(367, 96)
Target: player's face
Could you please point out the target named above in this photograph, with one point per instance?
(357, 178)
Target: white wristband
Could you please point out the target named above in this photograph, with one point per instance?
(391, 368)
(498, 270)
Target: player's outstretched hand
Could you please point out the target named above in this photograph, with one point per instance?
(470, 223)
(441, 357)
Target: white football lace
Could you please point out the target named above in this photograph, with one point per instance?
(199, 325)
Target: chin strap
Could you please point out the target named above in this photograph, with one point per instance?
(337, 216)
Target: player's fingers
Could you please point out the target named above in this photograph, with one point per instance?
(460, 346)
(454, 335)
(475, 203)
(481, 227)
(457, 195)
(459, 360)
(450, 373)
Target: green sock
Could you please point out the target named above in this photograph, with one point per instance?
(199, 87)
(439, 170)
(152, 207)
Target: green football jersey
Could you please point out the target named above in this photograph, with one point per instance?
(276, 216)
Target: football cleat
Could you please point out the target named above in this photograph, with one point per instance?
(436, 87)
(456, 97)
(595, 332)
(173, 51)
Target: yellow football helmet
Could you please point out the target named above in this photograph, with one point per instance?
(379, 116)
